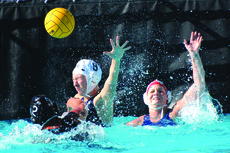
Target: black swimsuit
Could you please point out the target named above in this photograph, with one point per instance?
(92, 113)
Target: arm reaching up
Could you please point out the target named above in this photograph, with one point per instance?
(198, 70)
(104, 100)
(198, 87)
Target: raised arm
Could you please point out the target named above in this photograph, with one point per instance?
(198, 87)
(104, 100)
(198, 70)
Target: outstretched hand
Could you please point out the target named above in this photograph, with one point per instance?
(117, 50)
(195, 42)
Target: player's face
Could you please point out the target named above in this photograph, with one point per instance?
(80, 84)
(157, 96)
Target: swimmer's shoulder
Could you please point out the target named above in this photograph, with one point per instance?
(137, 122)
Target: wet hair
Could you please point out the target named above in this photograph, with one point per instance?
(42, 108)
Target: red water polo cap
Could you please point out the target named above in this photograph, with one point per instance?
(158, 83)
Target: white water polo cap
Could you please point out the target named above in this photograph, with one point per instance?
(91, 70)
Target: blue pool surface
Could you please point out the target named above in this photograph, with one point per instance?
(203, 137)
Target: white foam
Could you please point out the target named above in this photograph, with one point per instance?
(199, 111)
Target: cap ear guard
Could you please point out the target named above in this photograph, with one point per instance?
(145, 99)
(169, 97)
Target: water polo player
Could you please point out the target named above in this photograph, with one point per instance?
(86, 76)
(45, 112)
(157, 95)
(94, 105)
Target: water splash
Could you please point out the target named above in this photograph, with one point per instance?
(200, 111)
(22, 132)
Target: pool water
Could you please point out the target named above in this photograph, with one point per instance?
(199, 129)
(212, 136)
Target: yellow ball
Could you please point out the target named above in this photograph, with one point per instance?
(59, 23)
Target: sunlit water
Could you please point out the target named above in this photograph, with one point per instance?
(200, 131)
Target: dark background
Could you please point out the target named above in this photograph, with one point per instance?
(32, 62)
